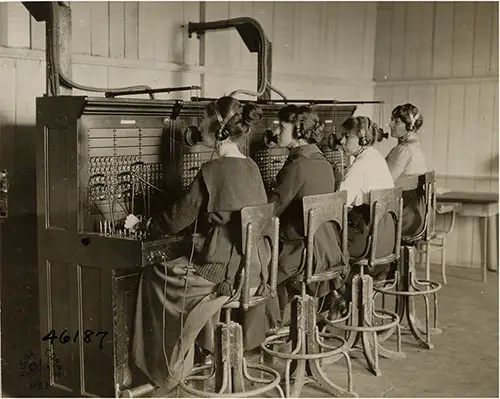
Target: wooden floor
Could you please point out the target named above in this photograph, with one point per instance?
(464, 360)
(463, 363)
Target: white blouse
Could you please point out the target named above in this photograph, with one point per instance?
(368, 172)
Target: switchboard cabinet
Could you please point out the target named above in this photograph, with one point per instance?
(99, 159)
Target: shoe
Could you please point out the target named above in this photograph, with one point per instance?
(278, 330)
(338, 309)
(202, 357)
(208, 360)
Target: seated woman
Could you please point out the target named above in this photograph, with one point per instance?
(305, 172)
(367, 172)
(179, 305)
(407, 159)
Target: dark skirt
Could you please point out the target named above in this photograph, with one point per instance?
(413, 212)
(292, 263)
(163, 349)
(359, 230)
(159, 349)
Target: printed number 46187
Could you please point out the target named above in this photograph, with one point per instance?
(64, 337)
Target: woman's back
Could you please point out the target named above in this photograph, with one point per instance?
(369, 172)
(306, 172)
(231, 184)
(406, 159)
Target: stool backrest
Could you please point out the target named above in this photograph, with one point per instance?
(425, 186)
(317, 210)
(428, 183)
(258, 223)
(385, 202)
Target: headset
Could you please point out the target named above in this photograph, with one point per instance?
(222, 134)
(413, 119)
(193, 136)
(363, 140)
(270, 139)
(299, 130)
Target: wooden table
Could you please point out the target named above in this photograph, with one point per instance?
(485, 207)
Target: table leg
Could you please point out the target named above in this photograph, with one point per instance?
(492, 244)
(484, 262)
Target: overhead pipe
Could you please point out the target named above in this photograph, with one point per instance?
(57, 17)
(299, 101)
(56, 62)
(253, 36)
(112, 94)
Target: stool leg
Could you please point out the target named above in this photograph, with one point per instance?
(421, 250)
(367, 321)
(362, 316)
(222, 358)
(428, 260)
(484, 269)
(408, 256)
(307, 343)
(492, 243)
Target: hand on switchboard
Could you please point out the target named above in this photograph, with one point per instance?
(133, 223)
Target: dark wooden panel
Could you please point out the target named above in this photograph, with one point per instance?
(125, 296)
(59, 318)
(57, 185)
(97, 358)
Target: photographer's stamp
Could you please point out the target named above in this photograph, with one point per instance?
(35, 372)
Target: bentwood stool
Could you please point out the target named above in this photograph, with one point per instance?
(360, 322)
(406, 286)
(308, 346)
(230, 371)
(438, 243)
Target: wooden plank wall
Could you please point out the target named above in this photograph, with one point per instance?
(443, 57)
(320, 50)
(128, 43)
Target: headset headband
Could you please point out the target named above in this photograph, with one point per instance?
(223, 122)
(414, 118)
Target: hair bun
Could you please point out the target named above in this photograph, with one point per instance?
(317, 131)
(252, 114)
(319, 126)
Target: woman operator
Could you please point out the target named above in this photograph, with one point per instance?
(305, 172)
(407, 159)
(367, 172)
(189, 300)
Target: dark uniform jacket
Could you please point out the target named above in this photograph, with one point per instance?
(220, 190)
(305, 172)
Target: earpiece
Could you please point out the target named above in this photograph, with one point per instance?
(222, 134)
(192, 136)
(299, 130)
(270, 138)
(363, 140)
(333, 142)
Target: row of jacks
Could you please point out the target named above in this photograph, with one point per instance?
(106, 228)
